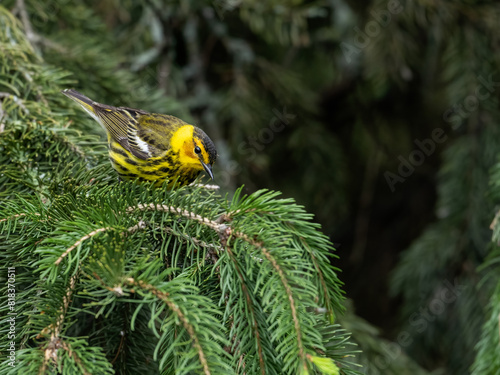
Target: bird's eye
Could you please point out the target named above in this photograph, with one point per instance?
(197, 150)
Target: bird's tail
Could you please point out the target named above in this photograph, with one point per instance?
(86, 103)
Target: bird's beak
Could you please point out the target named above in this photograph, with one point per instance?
(208, 169)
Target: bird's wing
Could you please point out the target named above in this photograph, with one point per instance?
(143, 134)
(122, 124)
(156, 130)
(119, 123)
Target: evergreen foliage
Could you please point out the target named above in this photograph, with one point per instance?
(439, 276)
(119, 277)
(487, 360)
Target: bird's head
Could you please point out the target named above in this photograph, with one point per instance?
(196, 150)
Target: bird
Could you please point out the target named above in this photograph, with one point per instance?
(151, 146)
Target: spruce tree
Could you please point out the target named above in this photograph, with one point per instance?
(111, 276)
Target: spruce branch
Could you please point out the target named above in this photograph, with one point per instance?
(225, 233)
(16, 100)
(164, 296)
(77, 243)
(207, 186)
(118, 351)
(321, 276)
(132, 229)
(224, 290)
(16, 216)
(248, 298)
(54, 330)
(75, 357)
(197, 242)
(219, 228)
(286, 286)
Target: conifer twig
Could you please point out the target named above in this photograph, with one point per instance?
(16, 100)
(73, 354)
(179, 211)
(54, 329)
(122, 340)
(225, 233)
(194, 240)
(82, 239)
(250, 309)
(140, 225)
(208, 187)
(320, 275)
(164, 296)
(498, 324)
(2, 124)
(16, 216)
(284, 281)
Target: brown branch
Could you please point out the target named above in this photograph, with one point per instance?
(84, 238)
(284, 281)
(140, 225)
(215, 225)
(52, 329)
(16, 216)
(119, 348)
(250, 303)
(194, 240)
(16, 100)
(50, 351)
(164, 296)
(66, 347)
(2, 124)
(208, 187)
(225, 232)
(321, 277)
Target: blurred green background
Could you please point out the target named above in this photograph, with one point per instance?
(380, 117)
